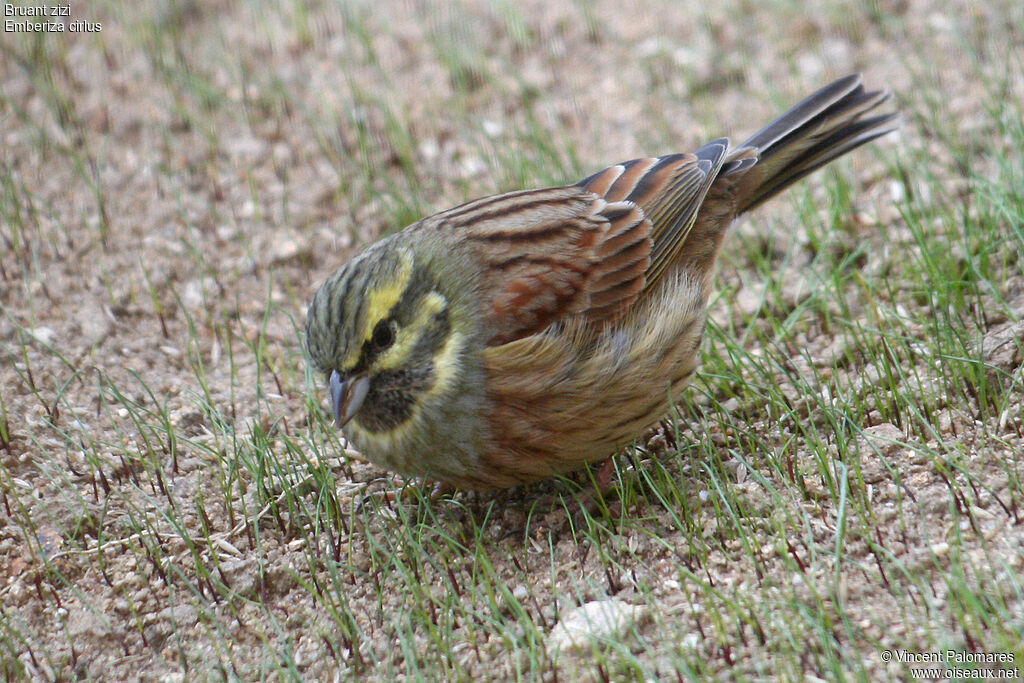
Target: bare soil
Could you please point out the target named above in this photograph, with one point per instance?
(186, 176)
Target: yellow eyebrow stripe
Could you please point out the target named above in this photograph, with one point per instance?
(398, 355)
(380, 301)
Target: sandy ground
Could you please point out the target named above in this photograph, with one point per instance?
(176, 184)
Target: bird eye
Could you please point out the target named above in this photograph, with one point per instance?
(383, 336)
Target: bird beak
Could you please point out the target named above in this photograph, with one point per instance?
(347, 396)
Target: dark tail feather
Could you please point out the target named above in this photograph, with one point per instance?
(819, 129)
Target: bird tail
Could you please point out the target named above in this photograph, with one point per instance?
(824, 126)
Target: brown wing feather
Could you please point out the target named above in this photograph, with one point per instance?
(669, 190)
(591, 249)
(550, 254)
(621, 262)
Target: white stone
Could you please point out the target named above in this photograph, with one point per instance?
(594, 622)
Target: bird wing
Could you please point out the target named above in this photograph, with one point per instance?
(669, 190)
(590, 249)
(546, 255)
